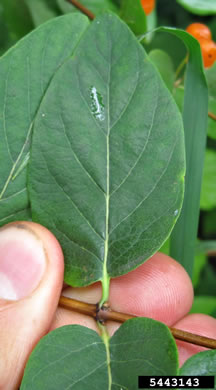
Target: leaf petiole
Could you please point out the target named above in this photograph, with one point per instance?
(105, 288)
(105, 337)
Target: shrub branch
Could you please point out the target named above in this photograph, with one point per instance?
(105, 313)
(83, 9)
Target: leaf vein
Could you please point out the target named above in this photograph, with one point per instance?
(13, 195)
(142, 151)
(72, 201)
(78, 160)
(150, 192)
(75, 243)
(85, 376)
(129, 101)
(143, 231)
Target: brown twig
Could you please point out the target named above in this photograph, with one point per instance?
(106, 314)
(212, 116)
(83, 9)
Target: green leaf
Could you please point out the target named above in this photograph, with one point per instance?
(202, 364)
(107, 162)
(133, 14)
(25, 73)
(42, 10)
(96, 6)
(167, 42)
(208, 194)
(184, 235)
(199, 7)
(77, 357)
(178, 94)
(204, 305)
(212, 122)
(211, 80)
(164, 64)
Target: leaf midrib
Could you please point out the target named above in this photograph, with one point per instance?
(105, 278)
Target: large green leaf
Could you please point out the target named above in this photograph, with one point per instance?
(199, 7)
(25, 73)
(133, 14)
(208, 194)
(107, 163)
(77, 357)
(202, 364)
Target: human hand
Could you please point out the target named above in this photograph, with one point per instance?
(31, 281)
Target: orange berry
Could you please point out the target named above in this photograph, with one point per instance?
(148, 6)
(199, 31)
(208, 49)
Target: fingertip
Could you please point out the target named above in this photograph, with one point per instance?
(31, 269)
(160, 288)
(200, 324)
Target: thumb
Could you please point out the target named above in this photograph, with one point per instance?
(31, 277)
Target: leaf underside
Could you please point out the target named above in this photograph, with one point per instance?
(75, 357)
(25, 73)
(107, 159)
(203, 364)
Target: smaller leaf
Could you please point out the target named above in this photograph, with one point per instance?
(202, 364)
(169, 43)
(164, 64)
(133, 14)
(199, 7)
(178, 94)
(76, 357)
